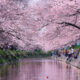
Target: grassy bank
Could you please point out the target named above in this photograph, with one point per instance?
(13, 55)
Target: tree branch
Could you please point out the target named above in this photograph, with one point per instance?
(70, 24)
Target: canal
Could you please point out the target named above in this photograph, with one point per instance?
(39, 69)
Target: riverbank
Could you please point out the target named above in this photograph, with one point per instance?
(73, 62)
(9, 56)
(66, 55)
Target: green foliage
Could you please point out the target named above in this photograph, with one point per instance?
(76, 47)
(12, 55)
(49, 53)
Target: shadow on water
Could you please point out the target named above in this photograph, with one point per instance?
(38, 69)
(8, 72)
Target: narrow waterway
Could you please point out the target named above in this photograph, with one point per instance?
(38, 69)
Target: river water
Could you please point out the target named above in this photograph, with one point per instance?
(39, 69)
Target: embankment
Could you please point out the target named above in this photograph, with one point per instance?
(73, 62)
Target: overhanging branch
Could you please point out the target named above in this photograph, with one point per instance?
(70, 24)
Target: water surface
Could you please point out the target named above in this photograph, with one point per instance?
(38, 69)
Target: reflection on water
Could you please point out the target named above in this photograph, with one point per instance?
(38, 69)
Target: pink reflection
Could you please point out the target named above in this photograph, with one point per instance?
(38, 69)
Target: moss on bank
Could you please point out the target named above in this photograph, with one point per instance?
(8, 56)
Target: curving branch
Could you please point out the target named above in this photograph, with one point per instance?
(1, 30)
(70, 24)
